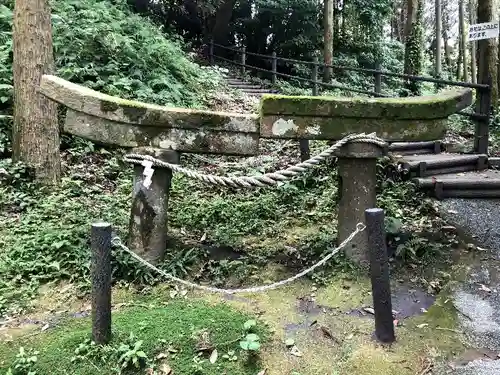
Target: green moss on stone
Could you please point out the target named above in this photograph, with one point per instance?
(107, 106)
(421, 107)
(134, 114)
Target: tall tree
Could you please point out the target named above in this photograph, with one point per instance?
(414, 42)
(36, 131)
(328, 39)
(462, 39)
(487, 49)
(220, 32)
(438, 38)
(446, 28)
(473, 52)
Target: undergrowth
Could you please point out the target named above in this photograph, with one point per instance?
(177, 338)
(104, 46)
(218, 235)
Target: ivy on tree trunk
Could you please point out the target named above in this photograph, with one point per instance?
(414, 47)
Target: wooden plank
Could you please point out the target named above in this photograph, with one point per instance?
(83, 99)
(411, 108)
(276, 126)
(209, 141)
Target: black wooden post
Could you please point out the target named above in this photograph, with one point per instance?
(378, 79)
(243, 60)
(274, 68)
(482, 131)
(211, 52)
(379, 272)
(100, 240)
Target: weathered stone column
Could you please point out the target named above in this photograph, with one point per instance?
(148, 219)
(357, 165)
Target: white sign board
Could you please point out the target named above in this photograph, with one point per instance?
(485, 30)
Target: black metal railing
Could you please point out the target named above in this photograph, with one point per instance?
(481, 115)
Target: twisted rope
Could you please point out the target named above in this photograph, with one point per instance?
(360, 227)
(268, 179)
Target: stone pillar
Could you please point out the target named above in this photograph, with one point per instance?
(357, 166)
(148, 219)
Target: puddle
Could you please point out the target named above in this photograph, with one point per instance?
(406, 301)
(410, 302)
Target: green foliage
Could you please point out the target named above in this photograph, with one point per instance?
(250, 343)
(162, 336)
(24, 363)
(414, 50)
(104, 46)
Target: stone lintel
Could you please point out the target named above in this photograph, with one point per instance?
(331, 128)
(202, 140)
(91, 102)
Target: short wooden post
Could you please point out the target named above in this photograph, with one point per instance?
(378, 78)
(211, 52)
(100, 243)
(274, 68)
(379, 273)
(357, 166)
(148, 219)
(483, 108)
(243, 60)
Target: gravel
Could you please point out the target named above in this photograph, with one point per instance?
(479, 312)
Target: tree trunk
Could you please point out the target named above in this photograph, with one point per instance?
(328, 39)
(458, 71)
(473, 52)
(36, 131)
(447, 52)
(438, 39)
(487, 49)
(414, 43)
(463, 38)
(222, 20)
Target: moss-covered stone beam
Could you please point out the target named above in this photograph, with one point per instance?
(289, 126)
(411, 108)
(83, 99)
(208, 141)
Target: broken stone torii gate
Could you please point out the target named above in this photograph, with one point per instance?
(164, 133)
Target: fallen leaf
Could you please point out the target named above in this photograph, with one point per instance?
(295, 351)
(452, 212)
(369, 310)
(289, 342)
(327, 333)
(263, 372)
(165, 369)
(204, 237)
(162, 355)
(214, 356)
(422, 325)
(485, 288)
(45, 327)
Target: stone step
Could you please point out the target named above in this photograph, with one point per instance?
(483, 184)
(246, 87)
(236, 81)
(443, 163)
(412, 148)
(258, 91)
